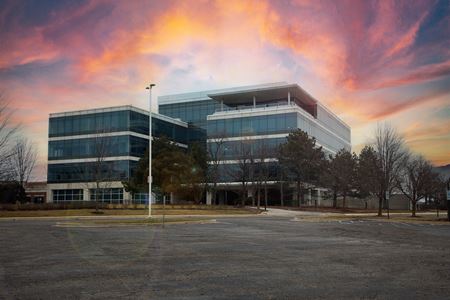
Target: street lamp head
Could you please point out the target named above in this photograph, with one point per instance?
(150, 86)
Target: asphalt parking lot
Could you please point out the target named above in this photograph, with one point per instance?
(236, 258)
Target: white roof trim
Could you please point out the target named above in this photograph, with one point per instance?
(203, 95)
(118, 108)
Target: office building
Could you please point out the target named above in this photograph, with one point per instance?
(96, 150)
(253, 118)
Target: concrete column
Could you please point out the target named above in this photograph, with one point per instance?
(172, 198)
(126, 197)
(221, 105)
(49, 195)
(309, 197)
(319, 197)
(289, 98)
(208, 198)
(86, 196)
(254, 101)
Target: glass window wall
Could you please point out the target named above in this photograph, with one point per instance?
(266, 148)
(111, 195)
(258, 125)
(90, 147)
(67, 195)
(89, 171)
(234, 172)
(88, 124)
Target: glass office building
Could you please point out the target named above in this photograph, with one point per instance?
(255, 119)
(101, 145)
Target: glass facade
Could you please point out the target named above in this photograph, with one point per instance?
(191, 112)
(327, 119)
(229, 150)
(89, 123)
(249, 128)
(194, 113)
(233, 172)
(124, 145)
(324, 136)
(257, 125)
(88, 171)
(99, 146)
(107, 122)
(233, 126)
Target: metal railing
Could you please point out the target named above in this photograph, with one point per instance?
(258, 106)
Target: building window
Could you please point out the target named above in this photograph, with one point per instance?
(67, 195)
(112, 195)
(89, 171)
(140, 198)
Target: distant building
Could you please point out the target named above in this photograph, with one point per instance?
(257, 115)
(36, 192)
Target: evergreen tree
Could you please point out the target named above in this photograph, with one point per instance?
(368, 173)
(302, 159)
(138, 182)
(340, 175)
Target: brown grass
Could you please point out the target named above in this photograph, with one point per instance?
(420, 219)
(127, 212)
(131, 222)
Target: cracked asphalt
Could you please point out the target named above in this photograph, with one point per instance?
(265, 257)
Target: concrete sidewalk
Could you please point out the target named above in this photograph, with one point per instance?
(279, 212)
(428, 213)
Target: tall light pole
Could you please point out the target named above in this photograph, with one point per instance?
(149, 88)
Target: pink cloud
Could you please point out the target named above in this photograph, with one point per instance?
(421, 74)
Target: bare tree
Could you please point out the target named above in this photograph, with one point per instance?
(102, 170)
(391, 155)
(263, 155)
(215, 157)
(282, 175)
(243, 171)
(22, 160)
(7, 131)
(415, 175)
(98, 174)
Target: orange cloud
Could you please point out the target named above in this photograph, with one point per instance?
(345, 50)
(419, 130)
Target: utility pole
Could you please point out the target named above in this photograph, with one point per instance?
(149, 88)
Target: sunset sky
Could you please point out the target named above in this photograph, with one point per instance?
(368, 61)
